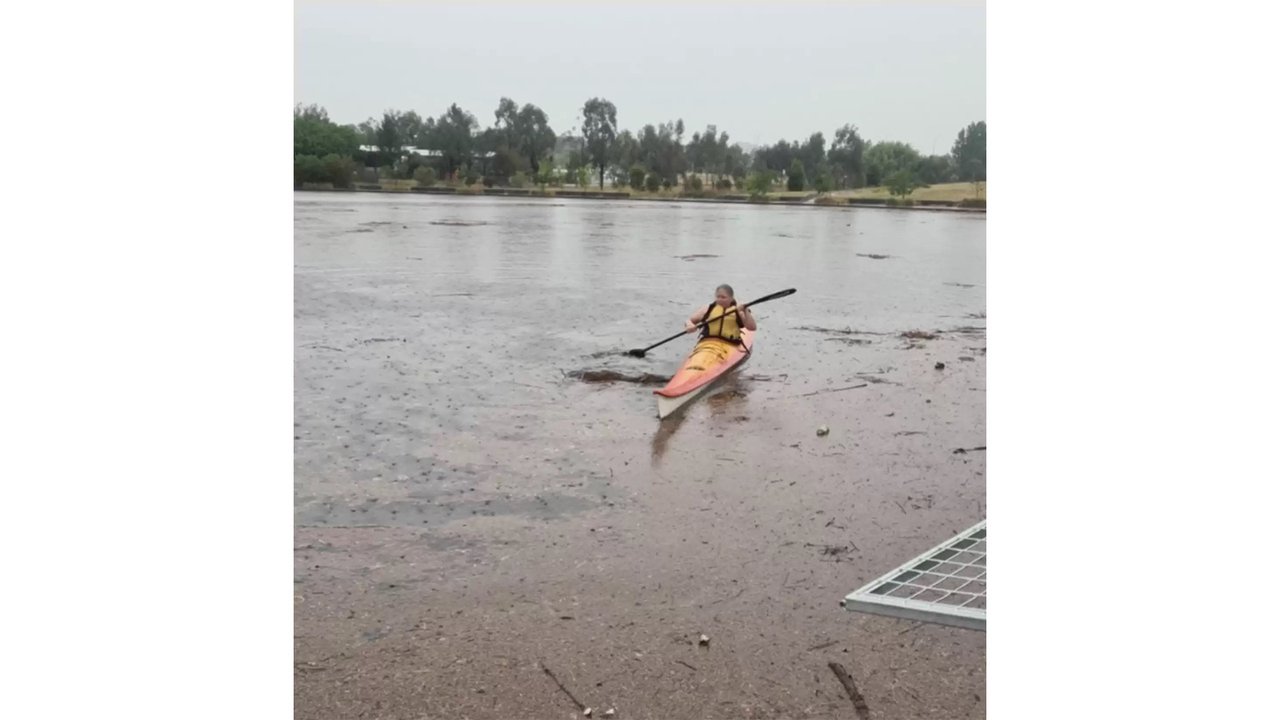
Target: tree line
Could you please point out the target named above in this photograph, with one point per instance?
(520, 146)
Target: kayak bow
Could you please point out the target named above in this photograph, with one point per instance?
(711, 360)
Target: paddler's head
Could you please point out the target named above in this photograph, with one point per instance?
(724, 296)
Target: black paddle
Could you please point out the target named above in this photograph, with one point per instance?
(639, 352)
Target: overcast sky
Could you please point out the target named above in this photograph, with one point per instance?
(914, 72)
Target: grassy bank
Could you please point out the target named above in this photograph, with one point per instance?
(935, 197)
(945, 192)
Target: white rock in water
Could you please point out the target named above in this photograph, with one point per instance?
(586, 712)
(609, 712)
(823, 430)
(704, 640)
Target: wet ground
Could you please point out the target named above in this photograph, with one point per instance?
(487, 508)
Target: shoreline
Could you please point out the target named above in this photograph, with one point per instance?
(836, 203)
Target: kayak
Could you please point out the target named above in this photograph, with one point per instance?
(711, 360)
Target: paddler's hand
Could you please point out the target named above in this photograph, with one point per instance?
(689, 326)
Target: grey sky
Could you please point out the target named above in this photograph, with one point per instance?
(914, 72)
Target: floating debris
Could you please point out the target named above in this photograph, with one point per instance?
(849, 340)
(939, 365)
(817, 392)
(876, 380)
(873, 256)
(612, 376)
(458, 223)
(833, 331)
(695, 256)
(918, 335)
(763, 378)
(823, 431)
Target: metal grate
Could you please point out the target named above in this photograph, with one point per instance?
(946, 585)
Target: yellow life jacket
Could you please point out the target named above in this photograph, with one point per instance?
(719, 325)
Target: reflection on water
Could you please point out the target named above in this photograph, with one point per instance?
(725, 402)
(662, 436)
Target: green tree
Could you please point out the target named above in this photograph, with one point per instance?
(970, 152)
(314, 134)
(674, 162)
(935, 169)
(410, 127)
(707, 151)
(454, 137)
(813, 154)
(824, 183)
(308, 169)
(546, 172)
(660, 149)
(637, 177)
(626, 151)
(619, 176)
(901, 183)
(339, 170)
(534, 136)
(390, 141)
(368, 131)
(886, 158)
(649, 147)
(760, 183)
(425, 176)
(574, 160)
(795, 176)
(311, 113)
(505, 119)
(600, 131)
(736, 162)
(652, 182)
(507, 162)
(775, 158)
(846, 157)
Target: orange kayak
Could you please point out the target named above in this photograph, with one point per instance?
(711, 360)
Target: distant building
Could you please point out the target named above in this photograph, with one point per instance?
(424, 152)
(479, 161)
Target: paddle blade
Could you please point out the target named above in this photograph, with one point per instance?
(774, 296)
(636, 352)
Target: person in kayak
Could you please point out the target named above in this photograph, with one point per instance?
(720, 323)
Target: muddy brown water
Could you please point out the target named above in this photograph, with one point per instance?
(482, 492)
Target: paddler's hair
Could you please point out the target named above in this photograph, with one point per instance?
(726, 288)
